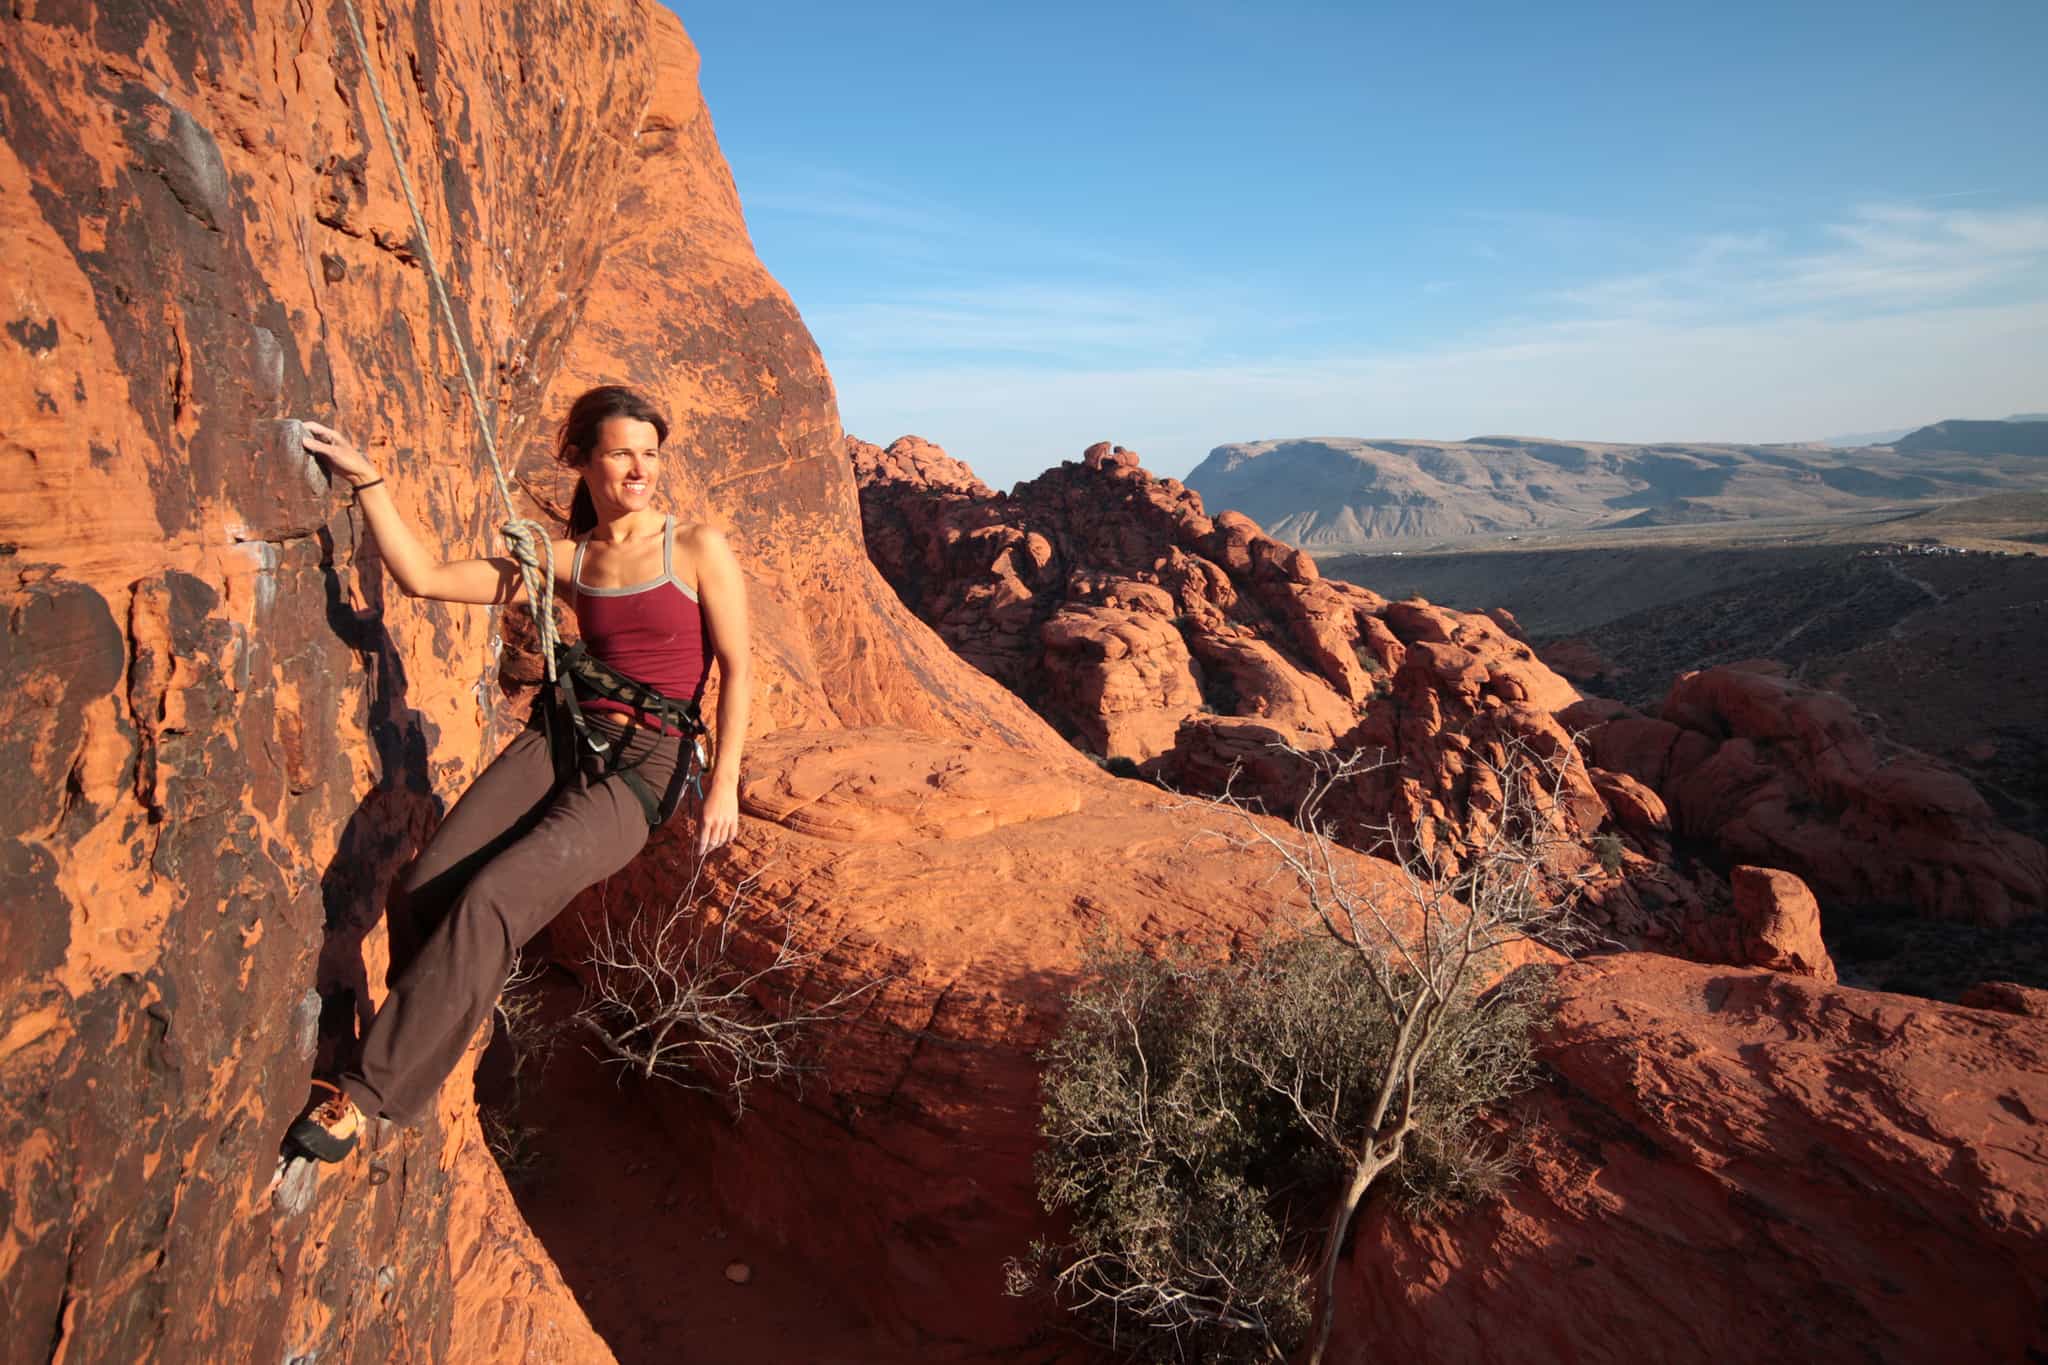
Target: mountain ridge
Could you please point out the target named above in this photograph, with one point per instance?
(1330, 492)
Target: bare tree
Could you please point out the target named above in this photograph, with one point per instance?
(683, 995)
(1211, 1126)
(1422, 948)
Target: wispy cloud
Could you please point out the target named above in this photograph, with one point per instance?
(945, 285)
(1050, 321)
(839, 197)
(1878, 257)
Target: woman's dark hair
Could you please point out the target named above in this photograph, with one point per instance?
(587, 415)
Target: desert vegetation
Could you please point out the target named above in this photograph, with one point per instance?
(704, 993)
(1212, 1126)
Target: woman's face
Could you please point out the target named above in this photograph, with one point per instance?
(624, 464)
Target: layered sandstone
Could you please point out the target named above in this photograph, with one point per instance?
(224, 733)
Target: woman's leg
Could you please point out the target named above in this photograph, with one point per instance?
(436, 1002)
(507, 799)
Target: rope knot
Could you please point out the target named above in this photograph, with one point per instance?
(531, 544)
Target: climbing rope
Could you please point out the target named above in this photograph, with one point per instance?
(528, 540)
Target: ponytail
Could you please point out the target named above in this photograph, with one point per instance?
(582, 512)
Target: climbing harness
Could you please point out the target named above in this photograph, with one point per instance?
(570, 668)
(579, 674)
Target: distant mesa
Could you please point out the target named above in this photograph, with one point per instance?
(1854, 439)
(2026, 435)
(1336, 492)
(1891, 435)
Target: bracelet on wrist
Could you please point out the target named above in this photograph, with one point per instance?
(359, 487)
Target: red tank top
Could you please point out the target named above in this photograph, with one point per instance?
(652, 632)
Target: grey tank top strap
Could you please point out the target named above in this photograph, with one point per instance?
(576, 571)
(668, 547)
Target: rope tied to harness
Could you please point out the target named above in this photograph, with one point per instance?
(529, 541)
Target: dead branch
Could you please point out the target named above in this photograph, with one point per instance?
(708, 996)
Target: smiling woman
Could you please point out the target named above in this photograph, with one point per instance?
(565, 804)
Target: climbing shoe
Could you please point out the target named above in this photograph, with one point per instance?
(327, 1131)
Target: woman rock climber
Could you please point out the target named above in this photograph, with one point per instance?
(654, 601)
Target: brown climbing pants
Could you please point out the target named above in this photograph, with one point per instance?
(515, 849)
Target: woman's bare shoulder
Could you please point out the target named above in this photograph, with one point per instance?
(700, 536)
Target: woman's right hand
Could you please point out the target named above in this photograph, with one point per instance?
(341, 456)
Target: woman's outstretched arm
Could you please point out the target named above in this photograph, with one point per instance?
(723, 592)
(416, 569)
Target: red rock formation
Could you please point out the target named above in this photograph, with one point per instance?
(966, 880)
(1739, 1165)
(1780, 774)
(1145, 630)
(1579, 661)
(226, 736)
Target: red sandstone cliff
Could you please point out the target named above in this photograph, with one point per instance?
(223, 733)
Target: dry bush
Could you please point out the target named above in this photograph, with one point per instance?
(511, 1143)
(1210, 1129)
(672, 996)
(522, 1018)
(1193, 1121)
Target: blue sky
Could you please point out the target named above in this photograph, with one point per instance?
(1018, 229)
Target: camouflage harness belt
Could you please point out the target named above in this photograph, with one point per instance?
(579, 677)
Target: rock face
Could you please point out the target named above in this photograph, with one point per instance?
(1786, 776)
(1779, 922)
(224, 734)
(1739, 1165)
(1195, 647)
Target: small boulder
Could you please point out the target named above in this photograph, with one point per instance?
(1636, 808)
(1780, 923)
(2007, 997)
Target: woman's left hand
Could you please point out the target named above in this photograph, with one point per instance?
(720, 819)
